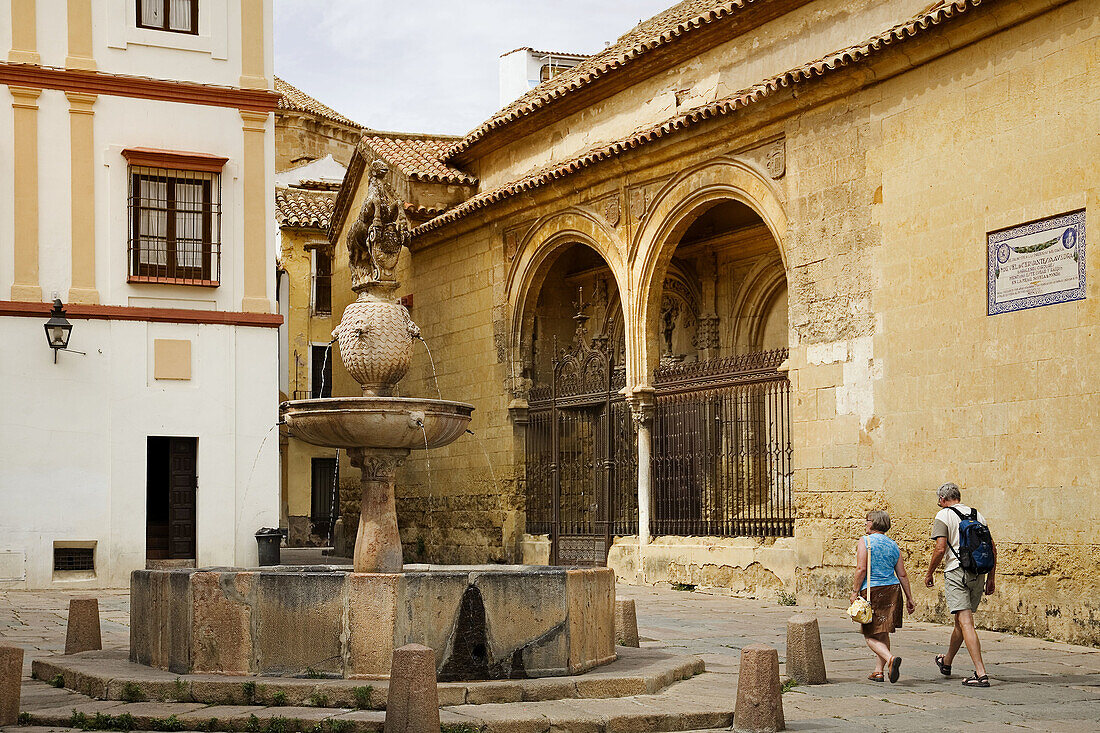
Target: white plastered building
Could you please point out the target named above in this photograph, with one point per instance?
(137, 160)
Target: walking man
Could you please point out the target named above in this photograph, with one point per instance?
(962, 589)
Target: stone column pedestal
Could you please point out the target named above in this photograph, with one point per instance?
(11, 680)
(377, 543)
(759, 697)
(413, 702)
(805, 661)
(626, 622)
(82, 634)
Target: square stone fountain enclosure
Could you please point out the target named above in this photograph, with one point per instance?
(484, 622)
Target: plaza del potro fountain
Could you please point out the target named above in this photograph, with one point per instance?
(483, 622)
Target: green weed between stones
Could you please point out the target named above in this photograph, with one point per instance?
(312, 674)
(132, 693)
(57, 681)
(210, 725)
(786, 599)
(278, 699)
(789, 685)
(318, 700)
(458, 728)
(248, 689)
(363, 696)
(340, 726)
(101, 721)
(170, 723)
(24, 718)
(182, 693)
(683, 586)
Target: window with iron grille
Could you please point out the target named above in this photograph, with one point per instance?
(175, 226)
(73, 558)
(175, 16)
(322, 282)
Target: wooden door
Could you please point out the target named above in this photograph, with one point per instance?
(182, 484)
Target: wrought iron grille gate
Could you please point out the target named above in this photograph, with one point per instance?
(721, 461)
(581, 466)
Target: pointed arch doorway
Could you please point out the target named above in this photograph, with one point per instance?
(580, 455)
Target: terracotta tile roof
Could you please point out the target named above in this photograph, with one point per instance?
(940, 12)
(652, 34)
(298, 207)
(294, 99)
(417, 156)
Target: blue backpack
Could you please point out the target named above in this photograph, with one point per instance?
(975, 553)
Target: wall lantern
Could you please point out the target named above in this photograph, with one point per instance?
(58, 329)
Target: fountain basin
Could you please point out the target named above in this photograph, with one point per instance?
(484, 622)
(376, 422)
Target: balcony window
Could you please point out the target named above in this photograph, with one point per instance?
(175, 16)
(175, 226)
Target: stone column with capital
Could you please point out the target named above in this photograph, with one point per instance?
(378, 542)
(642, 407)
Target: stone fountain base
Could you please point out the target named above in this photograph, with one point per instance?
(484, 622)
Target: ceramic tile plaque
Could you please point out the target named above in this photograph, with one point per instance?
(1035, 264)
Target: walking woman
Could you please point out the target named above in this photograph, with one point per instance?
(888, 580)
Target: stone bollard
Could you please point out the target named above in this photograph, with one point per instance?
(759, 698)
(11, 680)
(82, 634)
(413, 702)
(626, 623)
(805, 662)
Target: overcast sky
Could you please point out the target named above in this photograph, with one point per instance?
(431, 65)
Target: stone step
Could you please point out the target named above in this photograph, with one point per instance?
(704, 702)
(110, 675)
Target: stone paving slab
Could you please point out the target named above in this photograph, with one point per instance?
(1038, 685)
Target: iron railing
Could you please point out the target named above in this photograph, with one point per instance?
(721, 462)
(722, 448)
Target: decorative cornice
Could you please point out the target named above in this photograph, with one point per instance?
(140, 87)
(150, 315)
(174, 159)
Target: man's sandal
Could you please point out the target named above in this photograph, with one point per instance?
(895, 669)
(976, 681)
(945, 669)
(875, 677)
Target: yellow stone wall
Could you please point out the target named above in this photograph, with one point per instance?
(303, 329)
(900, 381)
(300, 135)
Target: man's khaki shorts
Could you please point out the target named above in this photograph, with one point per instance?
(962, 591)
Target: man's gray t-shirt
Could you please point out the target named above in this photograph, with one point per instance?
(946, 524)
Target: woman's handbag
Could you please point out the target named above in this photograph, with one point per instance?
(860, 611)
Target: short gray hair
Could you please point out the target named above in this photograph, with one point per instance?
(880, 520)
(949, 492)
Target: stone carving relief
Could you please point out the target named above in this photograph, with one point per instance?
(610, 210)
(776, 160)
(637, 202)
(375, 465)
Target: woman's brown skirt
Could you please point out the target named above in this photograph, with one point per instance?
(886, 603)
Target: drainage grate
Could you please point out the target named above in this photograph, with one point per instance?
(73, 558)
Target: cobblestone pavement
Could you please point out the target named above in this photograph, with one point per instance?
(1036, 684)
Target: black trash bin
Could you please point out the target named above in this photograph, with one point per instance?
(268, 541)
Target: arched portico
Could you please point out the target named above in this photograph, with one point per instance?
(536, 255)
(674, 209)
(723, 205)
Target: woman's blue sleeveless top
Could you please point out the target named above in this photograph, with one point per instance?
(884, 557)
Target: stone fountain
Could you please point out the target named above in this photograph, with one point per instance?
(483, 622)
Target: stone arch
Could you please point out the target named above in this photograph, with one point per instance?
(673, 209)
(753, 301)
(536, 254)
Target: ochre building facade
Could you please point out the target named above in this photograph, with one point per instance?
(768, 223)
